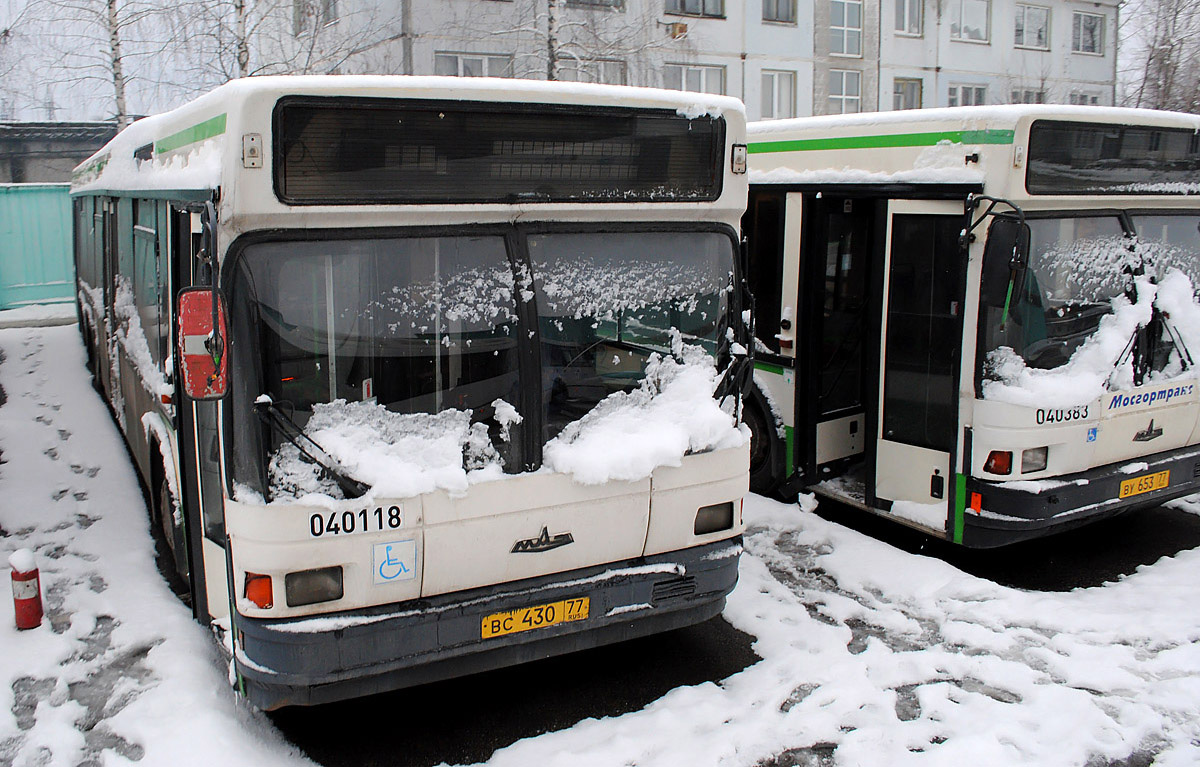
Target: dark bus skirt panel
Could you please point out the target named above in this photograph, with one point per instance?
(390, 647)
(1011, 515)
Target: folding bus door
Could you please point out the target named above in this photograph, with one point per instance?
(919, 362)
(837, 320)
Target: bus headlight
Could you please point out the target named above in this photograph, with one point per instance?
(308, 587)
(1034, 459)
(710, 519)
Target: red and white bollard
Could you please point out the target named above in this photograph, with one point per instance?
(27, 589)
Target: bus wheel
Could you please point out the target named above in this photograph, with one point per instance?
(169, 543)
(766, 448)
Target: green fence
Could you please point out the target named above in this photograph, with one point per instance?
(36, 266)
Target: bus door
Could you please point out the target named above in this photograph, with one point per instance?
(106, 246)
(924, 284)
(837, 347)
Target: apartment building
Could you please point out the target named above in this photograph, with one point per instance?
(784, 58)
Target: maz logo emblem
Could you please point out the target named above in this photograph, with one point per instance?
(544, 542)
(1148, 433)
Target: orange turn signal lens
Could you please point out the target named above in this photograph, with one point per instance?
(258, 590)
(999, 462)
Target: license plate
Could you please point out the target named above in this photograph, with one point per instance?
(535, 617)
(1145, 484)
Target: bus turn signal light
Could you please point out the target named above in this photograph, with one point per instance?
(258, 590)
(999, 462)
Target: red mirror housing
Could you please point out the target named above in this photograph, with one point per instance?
(203, 354)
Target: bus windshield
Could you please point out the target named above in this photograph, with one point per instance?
(1077, 265)
(432, 324)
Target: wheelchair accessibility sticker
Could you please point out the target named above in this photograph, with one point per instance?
(394, 561)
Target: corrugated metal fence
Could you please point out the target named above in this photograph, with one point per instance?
(36, 263)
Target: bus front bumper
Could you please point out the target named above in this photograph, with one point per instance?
(1016, 511)
(321, 659)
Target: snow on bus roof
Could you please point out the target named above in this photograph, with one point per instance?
(186, 143)
(946, 117)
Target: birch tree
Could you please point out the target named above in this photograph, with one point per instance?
(101, 49)
(1160, 40)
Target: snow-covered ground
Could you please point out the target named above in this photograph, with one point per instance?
(870, 655)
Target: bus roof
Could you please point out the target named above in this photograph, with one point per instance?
(186, 144)
(924, 145)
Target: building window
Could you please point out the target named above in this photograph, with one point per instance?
(779, 10)
(908, 16)
(971, 20)
(778, 94)
(1087, 33)
(845, 91)
(607, 71)
(598, 3)
(697, 7)
(693, 77)
(967, 95)
(1027, 96)
(472, 65)
(304, 12)
(1084, 99)
(1032, 27)
(845, 27)
(906, 93)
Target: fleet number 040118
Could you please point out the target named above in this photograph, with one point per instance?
(347, 522)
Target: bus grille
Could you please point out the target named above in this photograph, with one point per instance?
(676, 588)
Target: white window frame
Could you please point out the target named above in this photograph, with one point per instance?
(687, 72)
(961, 94)
(490, 62)
(1021, 27)
(841, 98)
(908, 81)
(1083, 98)
(780, 11)
(956, 9)
(778, 94)
(841, 35)
(906, 10)
(1077, 18)
(603, 71)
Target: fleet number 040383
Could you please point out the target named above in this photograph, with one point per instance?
(347, 522)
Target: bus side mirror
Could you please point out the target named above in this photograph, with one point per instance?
(1005, 256)
(202, 345)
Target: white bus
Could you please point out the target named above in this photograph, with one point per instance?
(977, 321)
(420, 373)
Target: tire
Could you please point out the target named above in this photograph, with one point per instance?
(767, 450)
(169, 541)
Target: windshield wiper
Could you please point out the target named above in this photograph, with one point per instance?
(272, 415)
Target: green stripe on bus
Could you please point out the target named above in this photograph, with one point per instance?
(768, 367)
(789, 443)
(199, 132)
(960, 504)
(989, 136)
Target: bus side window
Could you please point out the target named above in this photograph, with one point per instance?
(764, 222)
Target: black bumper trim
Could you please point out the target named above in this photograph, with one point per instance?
(395, 646)
(1012, 514)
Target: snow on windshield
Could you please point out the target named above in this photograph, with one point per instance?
(625, 437)
(1099, 363)
(478, 297)
(628, 435)
(603, 288)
